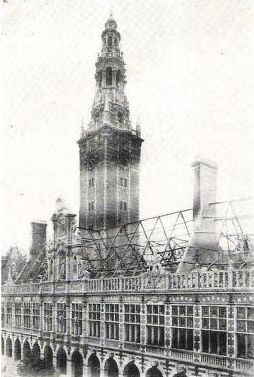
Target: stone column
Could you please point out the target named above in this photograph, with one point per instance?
(231, 338)
(102, 324)
(68, 316)
(13, 313)
(68, 367)
(121, 323)
(85, 370)
(54, 327)
(197, 330)
(13, 349)
(41, 324)
(55, 364)
(22, 314)
(143, 323)
(70, 223)
(85, 332)
(168, 315)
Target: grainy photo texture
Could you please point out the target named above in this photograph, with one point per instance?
(127, 232)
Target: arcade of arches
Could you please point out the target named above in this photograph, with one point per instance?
(37, 358)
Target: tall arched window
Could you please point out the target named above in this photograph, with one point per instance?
(110, 41)
(99, 78)
(118, 77)
(75, 265)
(120, 117)
(109, 76)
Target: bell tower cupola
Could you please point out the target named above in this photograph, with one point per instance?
(109, 147)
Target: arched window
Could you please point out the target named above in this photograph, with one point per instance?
(109, 76)
(75, 265)
(120, 117)
(99, 78)
(110, 41)
(118, 78)
(51, 268)
(115, 41)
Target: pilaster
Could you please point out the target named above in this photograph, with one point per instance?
(197, 324)
(68, 316)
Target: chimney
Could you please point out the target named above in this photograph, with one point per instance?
(203, 244)
(38, 237)
(205, 189)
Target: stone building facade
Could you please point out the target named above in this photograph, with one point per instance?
(112, 296)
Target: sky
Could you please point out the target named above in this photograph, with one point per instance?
(189, 66)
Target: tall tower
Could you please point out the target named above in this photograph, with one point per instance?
(109, 148)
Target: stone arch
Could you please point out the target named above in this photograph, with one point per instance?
(131, 370)
(48, 357)
(77, 364)
(111, 368)
(154, 372)
(17, 349)
(2, 344)
(93, 364)
(26, 352)
(61, 360)
(36, 354)
(9, 347)
(109, 75)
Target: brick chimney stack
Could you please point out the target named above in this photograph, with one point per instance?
(203, 244)
(38, 237)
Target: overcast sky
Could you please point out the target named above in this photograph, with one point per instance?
(190, 83)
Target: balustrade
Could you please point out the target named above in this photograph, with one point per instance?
(182, 355)
(236, 279)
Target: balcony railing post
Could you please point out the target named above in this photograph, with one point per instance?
(230, 274)
(196, 279)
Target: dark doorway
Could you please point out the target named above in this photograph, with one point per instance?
(9, 347)
(26, 353)
(77, 364)
(61, 361)
(17, 349)
(111, 368)
(36, 354)
(153, 372)
(131, 370)
(48, 357)
(94, 366)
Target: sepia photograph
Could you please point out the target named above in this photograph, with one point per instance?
(126, 188)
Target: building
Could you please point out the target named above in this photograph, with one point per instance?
(118, 296)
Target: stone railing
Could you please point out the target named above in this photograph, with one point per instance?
(218, 280)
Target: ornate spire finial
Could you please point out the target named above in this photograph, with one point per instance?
(111, 13)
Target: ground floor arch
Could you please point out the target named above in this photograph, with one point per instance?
(154, 372)
(131, 370)
(77, 364)
(9, 347)
(36, 354)
(111, 368)
(26, 353)
(48, 357)
(93, 366)
(17, 349)
(61, 360)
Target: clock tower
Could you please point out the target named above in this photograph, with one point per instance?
(109, 147)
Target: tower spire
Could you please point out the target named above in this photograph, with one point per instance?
(109, 149)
